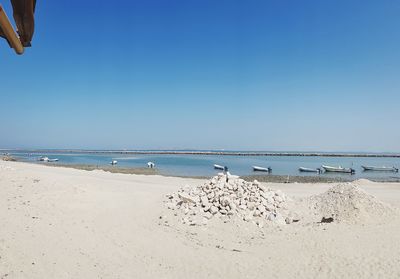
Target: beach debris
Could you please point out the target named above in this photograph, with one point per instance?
(8, 158)
(237, 198)
(327, 220)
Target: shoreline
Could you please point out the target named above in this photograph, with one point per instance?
(269, 178)
(111, 169)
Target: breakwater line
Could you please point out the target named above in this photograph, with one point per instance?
(222, 153)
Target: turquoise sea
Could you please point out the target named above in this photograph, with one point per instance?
(202, 165)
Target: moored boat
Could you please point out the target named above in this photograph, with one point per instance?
(256, 168)
(338, 169)
(382, 168)
(218, 167)
(43, 159)
(114, 162)
(302, 169)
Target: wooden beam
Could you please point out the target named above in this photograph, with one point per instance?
(9, 32)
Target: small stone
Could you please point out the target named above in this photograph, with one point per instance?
(250, 205)
(288, 220)
(214, 210)
(171, 206)
(270, 207)
(186, 198)
(204, 201)
(192, 223)
(271, 217)
(279, 219)
(207, 215)
(261, 208)
(248, 217)
(270, 200)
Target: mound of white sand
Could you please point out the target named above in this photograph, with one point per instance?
(348, 203)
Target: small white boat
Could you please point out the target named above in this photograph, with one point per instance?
(151, 165)
(302, 169)
(43, 159)
(114, 162)
(338, 169)
(52, 160)
(256, 168)
(219, 167)
(372, 168)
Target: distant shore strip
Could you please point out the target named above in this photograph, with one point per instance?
(224, 153)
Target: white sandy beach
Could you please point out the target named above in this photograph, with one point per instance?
(67, 223)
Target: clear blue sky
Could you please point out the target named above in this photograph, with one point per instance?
(249, 75)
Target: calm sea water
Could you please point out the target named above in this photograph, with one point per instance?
(202, 165)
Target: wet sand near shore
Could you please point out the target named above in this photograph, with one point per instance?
(261, 178)
(112, 169)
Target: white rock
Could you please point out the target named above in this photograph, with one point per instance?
(279, 219)
(261, 208)
(214, 210)
(270, 200)
(207, 208)
(242, 207)
(186, 198)
(207, 215)
(237, 198)
(271, 217)
(250, 205)
(204, 201)
(248, 217)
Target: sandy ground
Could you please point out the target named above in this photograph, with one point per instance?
(67, 223)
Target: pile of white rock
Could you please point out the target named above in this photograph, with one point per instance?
(235, 198)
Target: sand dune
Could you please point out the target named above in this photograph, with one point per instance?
(67, 223)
